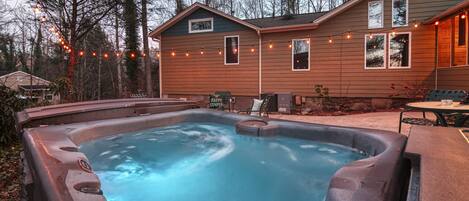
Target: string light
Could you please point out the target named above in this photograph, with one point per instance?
(173, 53)
(252, 49)
(370, 36)
(158, 55)
(271, 45)
(289, 44)
(416, 25)
(437, 23)
(235, 50)
(349, 36)
(144, 55)
(307, 41)
(132, 55)
(94, 54)
(202, 51)
(463, 16)
(117, 54)
(106, 55)
(43, 19)
(81, 53)
(187, 53)
(219, 51)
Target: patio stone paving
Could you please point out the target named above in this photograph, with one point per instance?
(375, 120)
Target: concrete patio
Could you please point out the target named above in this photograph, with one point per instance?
(375, 120)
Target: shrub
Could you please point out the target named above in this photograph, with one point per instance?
(10, 104)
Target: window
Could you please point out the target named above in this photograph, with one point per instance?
(201, 25)
(462, 30)
(300, 54)
(231, 50)
(399, 50)
(375, 51)
(399, 13)
(375, 14)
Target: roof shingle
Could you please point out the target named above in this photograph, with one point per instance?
(283, 21)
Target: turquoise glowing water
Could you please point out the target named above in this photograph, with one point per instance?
(210, 162)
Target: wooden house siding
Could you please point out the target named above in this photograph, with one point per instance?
(204, 74)
(340, 65)
(453, 78)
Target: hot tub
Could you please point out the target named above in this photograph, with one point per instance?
(201, 154)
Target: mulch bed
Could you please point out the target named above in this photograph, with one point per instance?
(10, 172)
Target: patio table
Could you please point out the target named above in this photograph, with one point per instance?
(439, 110)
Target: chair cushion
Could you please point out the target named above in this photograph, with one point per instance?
(256, 106)
(418, 121)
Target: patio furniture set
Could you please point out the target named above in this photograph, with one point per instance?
(450, 107)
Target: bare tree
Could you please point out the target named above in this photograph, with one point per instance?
(180, 6)
(146, 58)
(74, 19)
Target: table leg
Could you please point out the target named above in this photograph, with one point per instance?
(441, 119)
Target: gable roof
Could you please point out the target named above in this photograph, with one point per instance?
(264, 25)
(448, 12)
(6, 76)
(192, 9)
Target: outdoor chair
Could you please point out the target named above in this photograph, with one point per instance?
(434, 95)
(220, 100)
(259, 107)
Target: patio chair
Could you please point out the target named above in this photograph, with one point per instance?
(259, 107)
(433, 95)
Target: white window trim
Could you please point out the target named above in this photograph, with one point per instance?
(385, 51)
(410, 51)
(406, 14)
(382, 15)
(200, 20)
(224, 52)
(293, 55)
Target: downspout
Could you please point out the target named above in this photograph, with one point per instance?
(160, 80)
(436, 57)
(260, 62)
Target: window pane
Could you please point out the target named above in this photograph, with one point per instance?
(375, 51)
(231, 50)
(375, 14)
(399, 13)
(300, 54)
(201, 25)
(399, 50)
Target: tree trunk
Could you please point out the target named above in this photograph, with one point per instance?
(119, 60)
(146, 58)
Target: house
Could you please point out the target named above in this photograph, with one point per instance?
(359, 49)
(29, 86)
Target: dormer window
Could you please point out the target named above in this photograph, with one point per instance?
(375, 14)
(201, 25)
